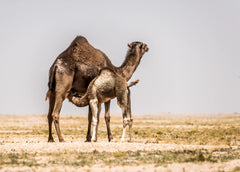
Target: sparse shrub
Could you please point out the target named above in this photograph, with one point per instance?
(200, 157)
(118, 154)
(159, 132)
(236, 169)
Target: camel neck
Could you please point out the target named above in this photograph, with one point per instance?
(129, 66)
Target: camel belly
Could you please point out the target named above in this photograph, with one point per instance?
(80, 84)
(103, 99)
(83, 76)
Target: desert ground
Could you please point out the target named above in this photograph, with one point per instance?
(161, 142)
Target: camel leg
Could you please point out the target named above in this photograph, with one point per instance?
(124, 103)
(50, 119)
(107, 120)
(63, 79)
(129, 114)
(55, 115)
(94, 108)
(98, 114)
(88, 138)
(130, 122)
(95, 127)
(125, 123)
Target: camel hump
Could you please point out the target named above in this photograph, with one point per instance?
(80, 39)
(80, 50)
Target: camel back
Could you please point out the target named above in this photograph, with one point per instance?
(81, 51)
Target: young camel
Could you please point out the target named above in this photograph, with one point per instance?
(106, 86)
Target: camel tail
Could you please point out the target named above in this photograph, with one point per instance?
(47, 95)
(51, 82)
(78, 100)
(133, 83)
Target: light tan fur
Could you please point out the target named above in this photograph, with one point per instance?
(106, 86)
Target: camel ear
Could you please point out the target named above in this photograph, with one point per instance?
(146, 48)
(130, 45)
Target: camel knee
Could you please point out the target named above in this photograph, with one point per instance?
(125, 122)
(107, 119)
(55, 118)
(128, 122)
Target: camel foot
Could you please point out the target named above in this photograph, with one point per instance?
(61, 140)
(110, 138)
(122, 140)
(51, 140)
(94, 139)
(88, 138)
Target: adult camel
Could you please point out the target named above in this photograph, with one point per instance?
(74, 69)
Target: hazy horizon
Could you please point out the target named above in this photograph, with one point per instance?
(193, 63)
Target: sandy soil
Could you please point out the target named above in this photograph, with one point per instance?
(43, 147)
(176, 167)
(21, 142)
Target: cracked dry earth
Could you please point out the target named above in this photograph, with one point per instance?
(186, 143)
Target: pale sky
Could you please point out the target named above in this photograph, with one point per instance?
(193, 63)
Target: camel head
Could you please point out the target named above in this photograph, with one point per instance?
(138, 48)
